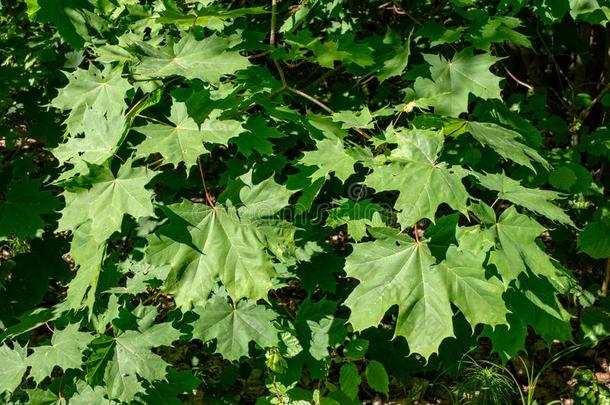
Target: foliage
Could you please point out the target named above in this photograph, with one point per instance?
(281, 202)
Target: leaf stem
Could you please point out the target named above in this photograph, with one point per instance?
(208, 197)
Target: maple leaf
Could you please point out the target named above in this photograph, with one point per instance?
(14, 366)
(87, 395)
(506, 143)
(396, 270)
(533, 302)
(456, 78)
(396, 60)
(65, 351)
(423, 182)
(330, 157)
(479, 298)
(207, 60)
(234, 326)
(593, 239)
(181, 142)
(516, 247)
(108, 199)
(102, 91)
(537, 200)
(23, 205)
(205, 245)
(132, 358)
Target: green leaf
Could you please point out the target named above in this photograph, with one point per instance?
(396, 64)
(13, 368)
(208, 60)
(396, 270)
(108, 199)
(456, 78)
(234, 326)
(205, 245)
(356, 214)
(65, 352)
(377, 377)
(263, 199)
(67, 16)
(536, 200)
(330, 157)
(180, 142)
(349, 380)
(102, 91)
(498, 29)
(208, 16)
(429, 184)
(594, 241)
(506, 143)
(356, 349)
(101, 137)
(350, 119)
(23, 205)
(166, 392)
(516, 247)
(478, 297)
(88, 395)
(133, 358)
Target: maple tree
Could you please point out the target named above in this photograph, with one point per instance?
(281, 202)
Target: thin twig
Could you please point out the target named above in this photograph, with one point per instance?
(273, 22)
(604, 289)
(522, 83)
(312, 99)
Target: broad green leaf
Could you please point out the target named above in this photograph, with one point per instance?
(330, 157)
(209, 16)
(88, 253)
(516, 247)
(87, 395)
(356, 349)
(349, 380)
(14, 365)
(326, 53)
(456, 78)
(396, 64)
(263, 199)
(23, 205)
(377, 377)
(205, 245)
(207, 60)
(478, 297)
(180, 142)
(67, 16)
(234, 326)
(65, 351)
(429, 183)
(498, 29)
(506, 143)
(396, 270)
(166, 392)
(507, 340)
(102, 91)
(594, 239)
(132, 358)
(350, 119)
(108, 199)
(536, 200)
(356, 214)
(100, 140)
